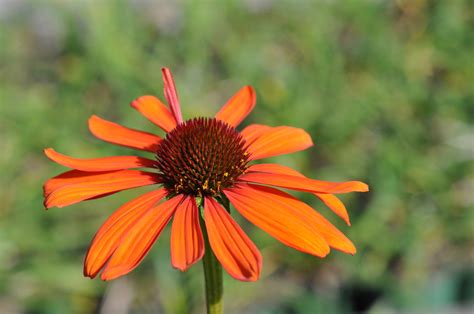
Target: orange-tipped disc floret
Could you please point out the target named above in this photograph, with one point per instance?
(201, 157)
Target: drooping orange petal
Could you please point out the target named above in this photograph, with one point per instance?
(304, 184)
(67, 193)
(172, 95)
(139, 239)
(329, 200)
(99, 164)
(294, 207)
(187, 243)
(277, 141)
(336, 205)
(69, 177)
(110, 234)
(253, 131)
(77, 176)
(116, 134)
(155, 111)
(238, 107)
(277, 219)
(235, 251)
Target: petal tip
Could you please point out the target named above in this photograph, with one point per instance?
(309, 139)
(88, 269)
(135, 103)
(50, 153)
(93, 118)
(352, 251)
(108, 275)
(92, 122)
(348, 248)
(89, 274)
(252, 92)
(363, 187)
(46, 204)
(325, 252)
(181, 268)
(251, 278)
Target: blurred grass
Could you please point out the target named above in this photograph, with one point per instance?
(384, 88)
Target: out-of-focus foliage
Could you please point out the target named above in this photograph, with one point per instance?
(385, 88)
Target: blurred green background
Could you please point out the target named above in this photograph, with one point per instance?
(385, 88)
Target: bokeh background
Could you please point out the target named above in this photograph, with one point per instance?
(385, 88)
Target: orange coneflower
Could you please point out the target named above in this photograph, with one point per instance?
(200, 162)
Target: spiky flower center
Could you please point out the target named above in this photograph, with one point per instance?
(200, 157)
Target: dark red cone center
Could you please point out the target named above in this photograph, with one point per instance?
(200, 157)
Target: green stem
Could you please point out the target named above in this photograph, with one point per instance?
(213, 279)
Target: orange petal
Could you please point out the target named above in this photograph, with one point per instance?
(334, 238)
(253, 131)
(72, 177)
(304, 184)
(77, 176)
(235, 251)
(295, 208)
(99, 164)
(273, 216)
(336, 205)
(171, 94)
(277, 141)
(114, 228)
(187, 243)
(139, 239)
(329, 200)
(116, 134)
(69, 177)
(238, 107)
(155, 111)
(63, 192)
